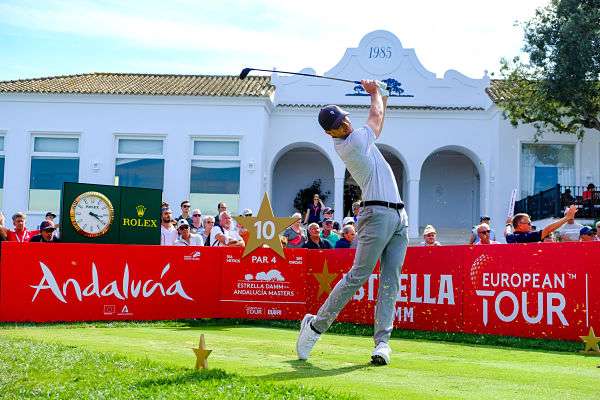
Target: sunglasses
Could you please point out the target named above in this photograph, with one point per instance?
(186, 206)
(184, 227)
(486, 232)
(196, 215)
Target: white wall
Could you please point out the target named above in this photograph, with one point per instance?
(99, 120)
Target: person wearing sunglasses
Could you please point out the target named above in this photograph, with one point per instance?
(185, 212)
(523, 232)
(483, 233)
(196, 225)
(186, 237)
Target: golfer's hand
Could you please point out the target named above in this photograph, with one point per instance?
(370, 86)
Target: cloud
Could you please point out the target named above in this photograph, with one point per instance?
(464, 35)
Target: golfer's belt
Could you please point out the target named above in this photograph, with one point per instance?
(395, 206)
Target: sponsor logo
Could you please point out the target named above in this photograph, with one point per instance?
(270, 283)
(109, 309)
(251, 310)
(125, 311)
(142, 223)
(274, 312)
(195, 256)
(140, 210)
(124, 288)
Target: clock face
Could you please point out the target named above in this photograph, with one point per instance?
(92, 214)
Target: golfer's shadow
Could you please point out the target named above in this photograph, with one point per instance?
(304, 369)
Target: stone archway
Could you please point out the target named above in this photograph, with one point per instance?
(351, 190)
(296, 169)
(449, 195)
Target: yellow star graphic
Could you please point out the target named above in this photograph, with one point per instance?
(325, 279)
(591, 342)
(264, 228)
(202, 354)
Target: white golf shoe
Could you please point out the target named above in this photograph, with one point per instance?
(382, 354)
(307, 338)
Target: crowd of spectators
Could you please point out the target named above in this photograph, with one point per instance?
(317, 229)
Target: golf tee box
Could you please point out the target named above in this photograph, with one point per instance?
(92, 213)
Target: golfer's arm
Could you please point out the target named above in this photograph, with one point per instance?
(376, 113)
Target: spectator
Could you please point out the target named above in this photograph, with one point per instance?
(313, 212)
(348, 221)
(483, 232)
(46, 234)
(20, 233)
(208, 223)
(586, 234)
(196, 225)
(569, 232)
(347, 240)
(328, 214)
(523, 232)
(185, 212)
(296, 236)
(566, 198)
(168, 233)
(430, 236)
(589, 193)
(186, 237)
(474, 239)
(328, 234)
(50, 217)
(355, 210)
(223, 235)
(3, 230)
(247, 212)
(314, 238)
(220, 208)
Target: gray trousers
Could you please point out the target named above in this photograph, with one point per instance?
(382, 233)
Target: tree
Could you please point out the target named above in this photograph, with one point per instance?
(304, 196)
(558, 89)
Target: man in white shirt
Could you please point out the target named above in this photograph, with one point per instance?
(381, 229)
(569, 232)
(223, 235)
(168, 233)
(186, 237)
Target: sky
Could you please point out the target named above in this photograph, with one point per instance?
(40, 38)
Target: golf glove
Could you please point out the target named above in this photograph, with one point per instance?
(383, 89)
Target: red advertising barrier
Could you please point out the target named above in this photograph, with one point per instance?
(542, 290)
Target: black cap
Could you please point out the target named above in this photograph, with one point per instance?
(331, 117)
(484, 217)
(50, 214)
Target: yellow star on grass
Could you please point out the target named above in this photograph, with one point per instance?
(325, 279)
(202, 354)
(591, 342)
(265, 228)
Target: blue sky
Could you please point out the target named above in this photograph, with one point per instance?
(47, 37)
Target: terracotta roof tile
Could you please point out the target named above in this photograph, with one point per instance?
(144, 84)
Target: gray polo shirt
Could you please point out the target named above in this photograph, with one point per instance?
(367, 165)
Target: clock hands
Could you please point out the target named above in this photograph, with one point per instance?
(93, 214)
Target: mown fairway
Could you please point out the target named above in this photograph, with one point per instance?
(261, 360)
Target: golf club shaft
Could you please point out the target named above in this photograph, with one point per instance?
(302, 74)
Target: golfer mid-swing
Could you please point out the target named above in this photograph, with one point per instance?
(382, 226)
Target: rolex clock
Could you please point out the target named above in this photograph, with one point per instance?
(92, 214)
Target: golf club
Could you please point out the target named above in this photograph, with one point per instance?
(246, 71)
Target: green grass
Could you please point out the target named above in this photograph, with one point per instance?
(33, 370)
(254, 354)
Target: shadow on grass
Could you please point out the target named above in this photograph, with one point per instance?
(304, 369)
(187, 377)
